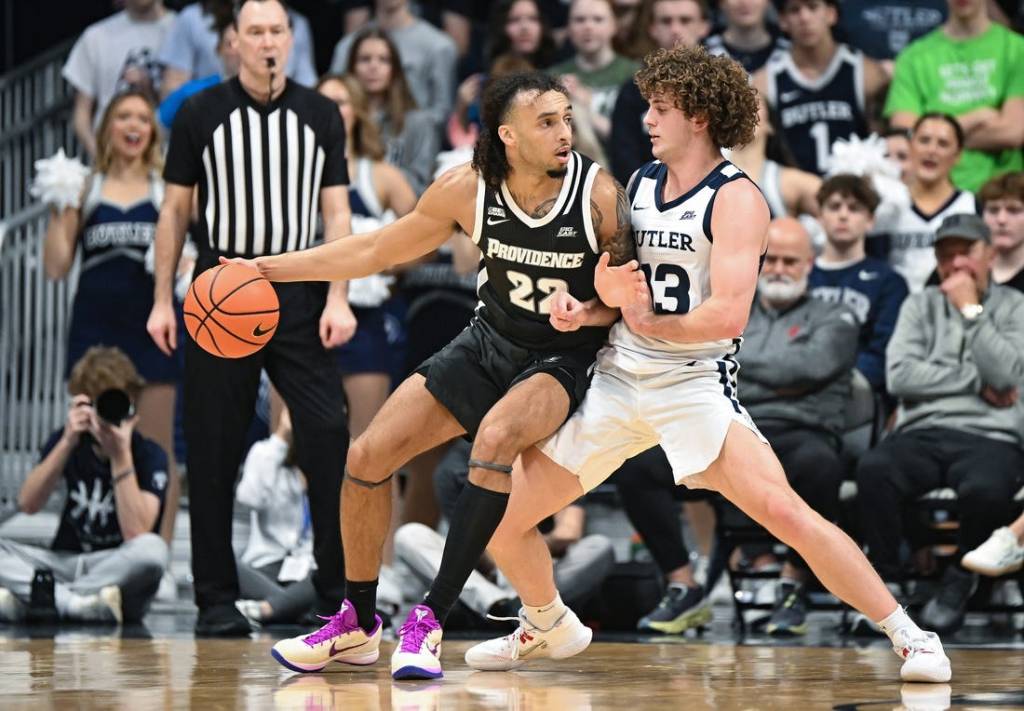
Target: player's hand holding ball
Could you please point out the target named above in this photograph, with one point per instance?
(566, 312)
(619, 286)
(231, 311)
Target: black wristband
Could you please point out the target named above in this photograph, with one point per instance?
(123, 475)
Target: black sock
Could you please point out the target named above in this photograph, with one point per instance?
(363, 596)
(478, 512)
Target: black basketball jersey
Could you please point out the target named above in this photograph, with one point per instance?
(525, 260)
(812, 114)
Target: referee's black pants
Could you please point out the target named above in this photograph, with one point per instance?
(220, 398)
(986, 473)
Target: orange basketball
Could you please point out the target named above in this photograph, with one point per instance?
(231, 311)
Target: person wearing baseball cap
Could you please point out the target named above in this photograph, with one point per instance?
(956, 364)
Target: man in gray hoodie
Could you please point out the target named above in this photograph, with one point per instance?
(797, 362)
(956, 363)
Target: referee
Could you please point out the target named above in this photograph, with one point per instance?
(264, 152)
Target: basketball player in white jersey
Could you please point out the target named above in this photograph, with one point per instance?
(667, 375)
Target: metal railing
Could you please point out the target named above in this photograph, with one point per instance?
(34, 317)
(35, 120)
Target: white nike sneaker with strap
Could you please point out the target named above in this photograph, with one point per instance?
(924, 658)
(566, 638)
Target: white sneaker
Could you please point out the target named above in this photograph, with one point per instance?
(924, 657)
(104, 606)
(417, 652)
(340, 640)
(566, 638)
(999, 555)
(11, 608)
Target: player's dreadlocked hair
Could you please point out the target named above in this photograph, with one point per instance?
(701, 85)
(489, 158)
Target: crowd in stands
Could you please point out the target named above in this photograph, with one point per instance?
(894, 275)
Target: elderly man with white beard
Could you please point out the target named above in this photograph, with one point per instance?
(797, 361)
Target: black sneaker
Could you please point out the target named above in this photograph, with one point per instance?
(222, 621)
(42, 606)
(790, 614)
(946, 611)
(681, 609)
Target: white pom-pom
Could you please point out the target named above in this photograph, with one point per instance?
(59, 180)
(866, 157)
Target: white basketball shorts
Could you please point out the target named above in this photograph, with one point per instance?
(687, 409)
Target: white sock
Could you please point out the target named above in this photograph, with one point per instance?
(899, 620)
(545, 616)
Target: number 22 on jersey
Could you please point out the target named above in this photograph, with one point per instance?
(670, 287)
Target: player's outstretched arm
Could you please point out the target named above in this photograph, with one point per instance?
(738, 224)
(618, 276)
(448, 204)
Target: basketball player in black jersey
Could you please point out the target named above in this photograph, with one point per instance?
(540, 214)
(820, 90)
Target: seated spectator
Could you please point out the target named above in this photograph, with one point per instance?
(820, 90)
(650, 498)
(191, 49)
(789, 191)
(935, 146)
(747, 37)
(969, 68)
(843, 274)
(882, 29)
(518, 27)
(113, 226)
(897, 141)
(112, 56)
(378, 193)
(227, 54)
(409, 135)
(630, 40)
(797, 359)
(1002, 202)
(274, 581)
(595, 73)
(956, 364)
(464, 124)
(1001, 553)
(106, 560)
(427, 56)
(668, 23)
(582, 562)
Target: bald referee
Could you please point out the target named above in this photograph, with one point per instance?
(264, 153)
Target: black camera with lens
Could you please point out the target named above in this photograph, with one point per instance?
(114, 406)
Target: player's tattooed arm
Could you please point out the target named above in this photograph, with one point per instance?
(615, 238)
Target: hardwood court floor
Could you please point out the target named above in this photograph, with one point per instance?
(89, 672)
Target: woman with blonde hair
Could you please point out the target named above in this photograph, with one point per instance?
(378, 193)
(409, 134)
(114, 224)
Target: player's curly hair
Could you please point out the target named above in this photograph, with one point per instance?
(489, 157)
(705, 86)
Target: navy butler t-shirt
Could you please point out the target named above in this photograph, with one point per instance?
(89, 519)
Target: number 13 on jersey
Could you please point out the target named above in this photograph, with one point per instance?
(670, 287)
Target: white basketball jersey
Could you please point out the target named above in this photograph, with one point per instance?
(912, 242)
(673, 241)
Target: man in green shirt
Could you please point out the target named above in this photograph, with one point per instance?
(595, 73)
(971, 68)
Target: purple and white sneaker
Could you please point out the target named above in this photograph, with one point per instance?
(340, 640)
(418, 653)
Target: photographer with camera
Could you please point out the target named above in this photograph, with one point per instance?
(106, 560)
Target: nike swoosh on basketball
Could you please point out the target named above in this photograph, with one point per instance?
(260, 331)
(345, 649)
(491, 221)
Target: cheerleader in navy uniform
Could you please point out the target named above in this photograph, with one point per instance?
(378, 193)
(113, 225)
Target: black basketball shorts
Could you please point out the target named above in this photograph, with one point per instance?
(475, 370)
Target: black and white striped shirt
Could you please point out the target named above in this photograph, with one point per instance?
(259, 167)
